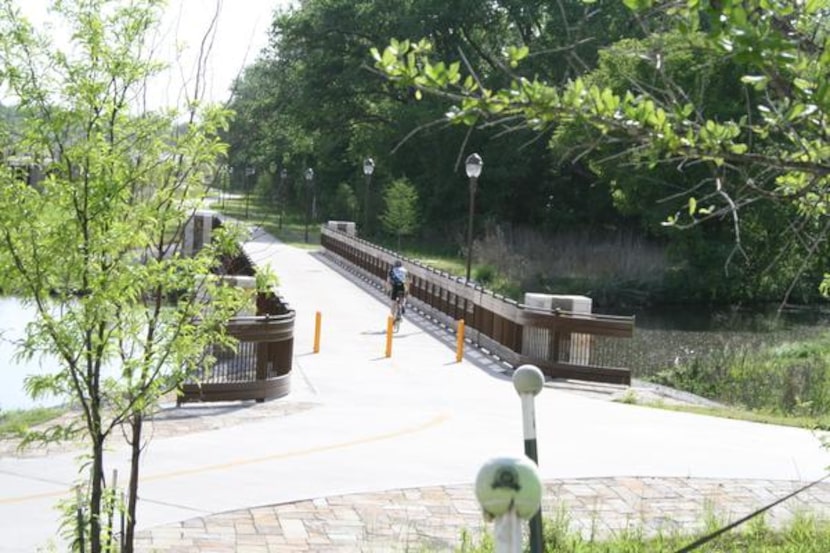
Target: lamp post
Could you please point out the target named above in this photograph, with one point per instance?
(529, 381)
(229, 184)
(224, 185)
(281, 194)
(248, 172)
(272, 168)
(473, 166)
(368, 169)
(309, 179)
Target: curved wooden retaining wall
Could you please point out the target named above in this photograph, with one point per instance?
(259, 368)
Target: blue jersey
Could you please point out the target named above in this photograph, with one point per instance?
(397, 275)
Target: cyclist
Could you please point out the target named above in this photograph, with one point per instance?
(397, 280)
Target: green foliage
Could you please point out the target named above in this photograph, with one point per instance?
(793, 379)
(93, 246)
(803, 534)
(768, 143)
(344, 206)
(18, 423)
(400, 215)
(313, 100)
(264, 188)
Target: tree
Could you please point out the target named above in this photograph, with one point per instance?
(93, 247)
(775, 149)
(344, 204)
(400, 215)
(312, 100)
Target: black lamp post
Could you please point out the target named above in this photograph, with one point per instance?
(281, 194)
(226, 172)
(368, 169)
(272, 168)
(309, 179)
(473, 166)
(230, 184)
(248, 172)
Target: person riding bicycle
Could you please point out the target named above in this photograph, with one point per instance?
(397, 279)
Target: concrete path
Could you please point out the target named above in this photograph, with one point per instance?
(407, 434)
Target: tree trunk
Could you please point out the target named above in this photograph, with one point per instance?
(136, 425)
(97, 482)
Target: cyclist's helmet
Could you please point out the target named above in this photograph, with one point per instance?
(398, 263)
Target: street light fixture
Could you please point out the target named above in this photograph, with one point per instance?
(281, 194)
(368, 169)
(473, 166)
(309, 178)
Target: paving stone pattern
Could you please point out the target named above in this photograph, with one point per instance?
(436, 518)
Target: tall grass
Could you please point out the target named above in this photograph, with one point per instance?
(804, 534)
(611, 268)
(790, 379)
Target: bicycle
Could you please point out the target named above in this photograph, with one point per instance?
(399, 310)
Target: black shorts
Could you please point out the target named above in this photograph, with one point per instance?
(398, 291)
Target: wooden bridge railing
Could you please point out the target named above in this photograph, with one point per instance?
(560, 343)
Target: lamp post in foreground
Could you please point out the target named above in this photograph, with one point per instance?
(529, 381)
(473, 166)
(368, 169)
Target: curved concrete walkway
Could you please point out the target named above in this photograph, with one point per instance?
(371, 453)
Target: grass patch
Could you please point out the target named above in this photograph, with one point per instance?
(735, 413)
(288, 227)
(804, 534)
(791, 381)
(17, 422)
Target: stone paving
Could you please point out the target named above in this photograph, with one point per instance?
(437, 518)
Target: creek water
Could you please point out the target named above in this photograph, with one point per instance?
(14, 316)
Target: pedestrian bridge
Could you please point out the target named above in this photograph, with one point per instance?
(562, 342)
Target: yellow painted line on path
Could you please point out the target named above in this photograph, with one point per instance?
(435, 421)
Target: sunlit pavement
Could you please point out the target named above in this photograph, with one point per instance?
(375, 442)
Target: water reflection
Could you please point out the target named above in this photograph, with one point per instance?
(14, 317)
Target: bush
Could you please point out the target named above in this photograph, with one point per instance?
(791, 379)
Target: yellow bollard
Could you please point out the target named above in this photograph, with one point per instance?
(459, 348)
(389, 324)
(318, 320)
